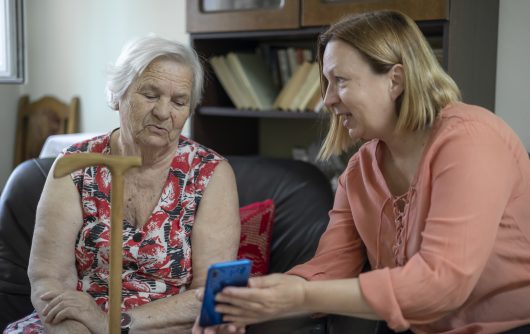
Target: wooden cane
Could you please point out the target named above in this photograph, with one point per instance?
(117, 165)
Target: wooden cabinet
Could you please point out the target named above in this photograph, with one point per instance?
(217, 124)
(283, 16)
(321, 12)
(293, 14)
(464, 30)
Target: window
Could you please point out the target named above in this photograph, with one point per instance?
(11, 42)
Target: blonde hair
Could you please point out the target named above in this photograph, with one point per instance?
(387, 38)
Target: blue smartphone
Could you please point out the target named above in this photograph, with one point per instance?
(231, 273)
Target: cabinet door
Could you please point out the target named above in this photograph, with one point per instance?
(325, 12)
(225, 15)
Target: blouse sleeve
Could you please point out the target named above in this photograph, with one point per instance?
(473, 174)
(340, 252)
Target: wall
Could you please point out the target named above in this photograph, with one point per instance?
(512, 101)
(8, 100)
(69, 45)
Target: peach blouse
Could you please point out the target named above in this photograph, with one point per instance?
(451, 255)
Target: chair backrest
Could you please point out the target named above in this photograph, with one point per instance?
(39, 119)
(18, 204)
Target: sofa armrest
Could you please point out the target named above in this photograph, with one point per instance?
(18, 204)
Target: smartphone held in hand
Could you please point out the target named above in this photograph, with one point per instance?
(220, 275)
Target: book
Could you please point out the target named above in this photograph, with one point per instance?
(228, 82)
(318, 107)
(269, 54)
(292, 58)
(283, 66)
(288, 92)
(308, 88)
(253, 78)
(308, 55)
(315, 103)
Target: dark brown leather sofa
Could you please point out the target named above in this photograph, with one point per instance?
(301, 193)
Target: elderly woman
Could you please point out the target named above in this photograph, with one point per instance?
(436, 200)
(180, 208)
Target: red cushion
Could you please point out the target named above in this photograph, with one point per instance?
(256, 229)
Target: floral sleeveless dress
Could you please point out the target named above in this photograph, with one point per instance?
(157, 256)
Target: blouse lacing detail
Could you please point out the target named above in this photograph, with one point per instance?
(400, 207)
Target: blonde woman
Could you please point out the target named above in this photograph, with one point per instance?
(436, 200)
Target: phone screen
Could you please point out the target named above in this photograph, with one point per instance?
(220, 275)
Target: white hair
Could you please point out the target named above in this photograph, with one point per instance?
(138, 54)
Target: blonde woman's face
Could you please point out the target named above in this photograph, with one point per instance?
(157, 104)
(362, 99)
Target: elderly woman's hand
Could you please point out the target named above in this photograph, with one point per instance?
(74, 305)
(266, 298)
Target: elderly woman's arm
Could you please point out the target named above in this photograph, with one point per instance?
(215, 238)
(51, 268)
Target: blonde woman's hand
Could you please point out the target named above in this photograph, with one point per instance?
(221, 329)
(267, 297)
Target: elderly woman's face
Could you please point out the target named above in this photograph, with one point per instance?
(157, 104)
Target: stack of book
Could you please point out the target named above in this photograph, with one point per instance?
(249, 83)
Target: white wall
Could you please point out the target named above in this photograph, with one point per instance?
(71, 42)
(512, 100)
(69, 46)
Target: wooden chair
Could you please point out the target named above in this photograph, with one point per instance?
(39, 119)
